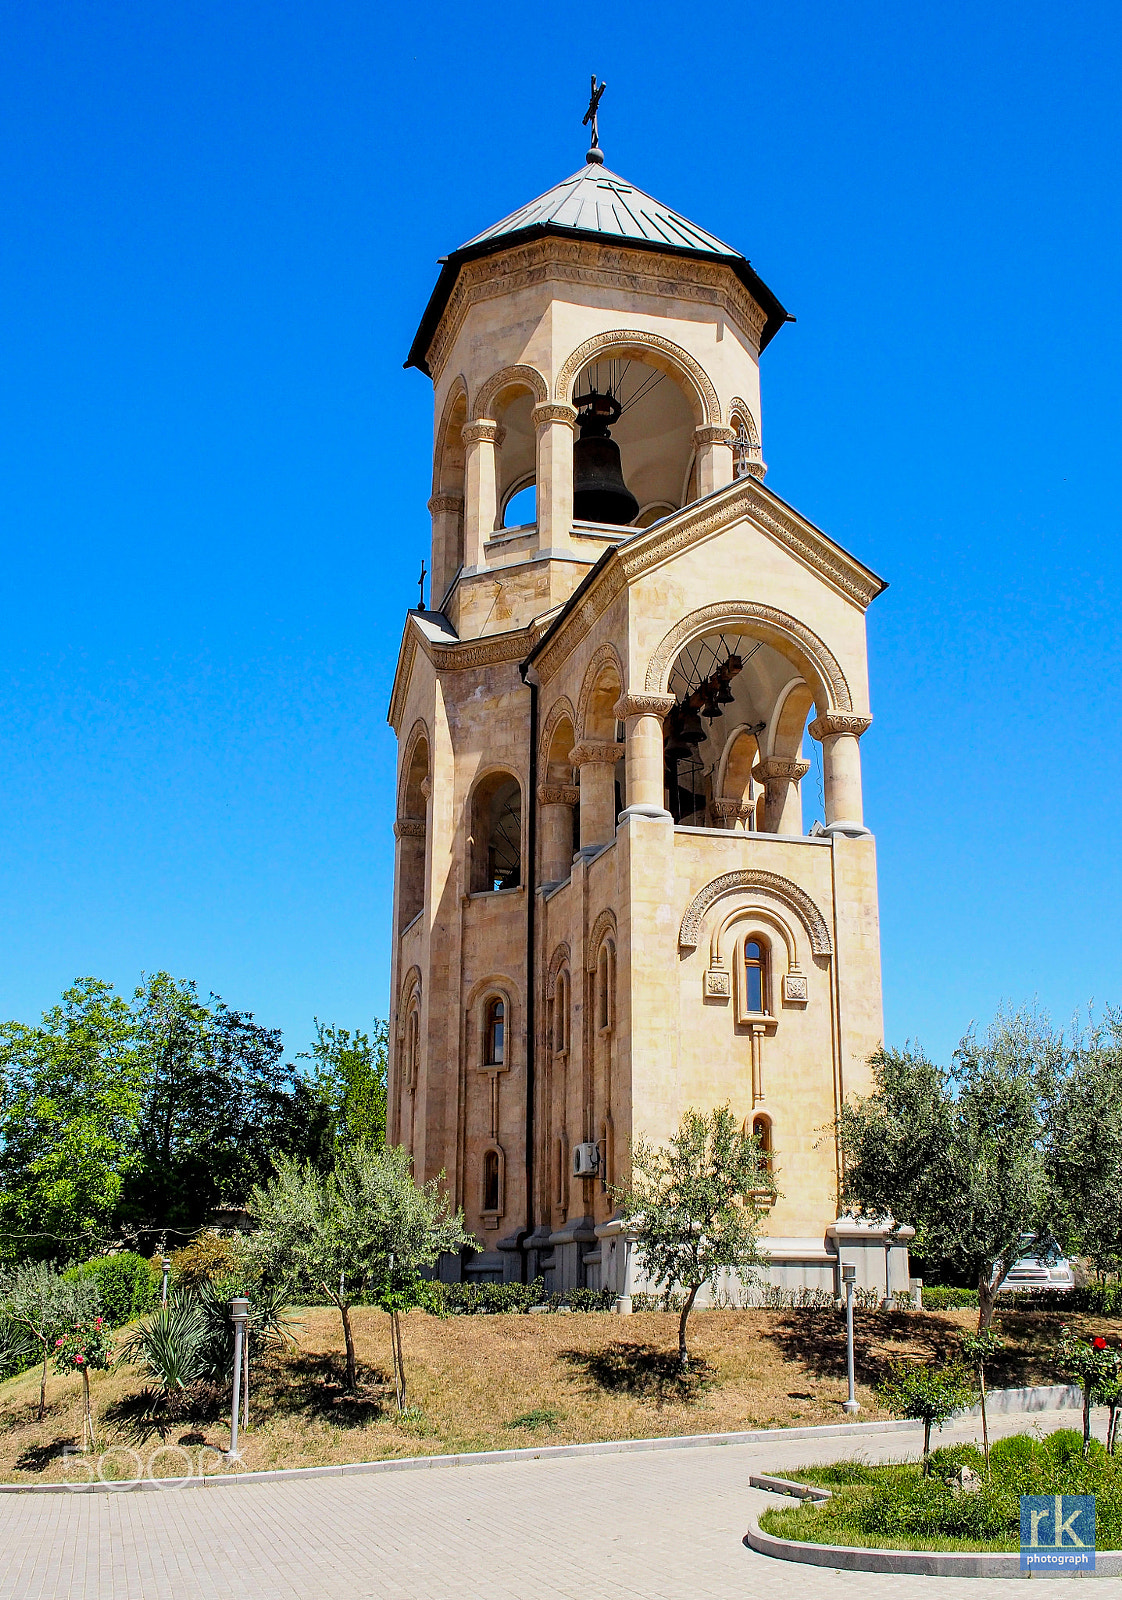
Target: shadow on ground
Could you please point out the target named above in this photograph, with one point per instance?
(643, 1371)
(38, 1457)
(315, 1385)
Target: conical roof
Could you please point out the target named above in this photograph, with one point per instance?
(597, 205)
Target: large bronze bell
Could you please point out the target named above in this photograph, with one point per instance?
(599, 492)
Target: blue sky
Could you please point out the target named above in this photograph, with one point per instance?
(220, 229)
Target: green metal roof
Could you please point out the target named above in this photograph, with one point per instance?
(597, 205)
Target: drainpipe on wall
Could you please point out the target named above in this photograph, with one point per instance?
(531, 975)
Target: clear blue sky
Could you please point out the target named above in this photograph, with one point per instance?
(220, 230)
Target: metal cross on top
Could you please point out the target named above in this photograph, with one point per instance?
(595, 156)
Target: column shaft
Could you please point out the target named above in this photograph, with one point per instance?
(841, 768)
(714, 459)
(642, 716)
(597, 760)
(480, 488)
(555, 425)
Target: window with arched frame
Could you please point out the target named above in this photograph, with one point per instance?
(561, 1013)
(605, 984)
(754, 975)
(494, 1033)
(761, 1132)
(412, 1048)
(492, 1183)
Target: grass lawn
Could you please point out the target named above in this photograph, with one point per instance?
(497, 1382)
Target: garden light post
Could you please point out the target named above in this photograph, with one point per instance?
(166, 1265)
(239, 1313)
(849, 1275)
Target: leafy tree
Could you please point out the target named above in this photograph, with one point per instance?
(364, 1225)
(978, 1349)
(70, 1105)
(960, 1153)
(927, 1394)
(37, 1299)
(695, 1206)
(349, 1079)
(1085, 1145)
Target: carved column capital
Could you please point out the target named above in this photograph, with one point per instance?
(558, 794)
(853, 722)
(639, 705)
(409, 828)
(446, 502)
(485, 431)
(733, 810)
(551, 411)
(711, 434)
(593, 752)
(774, 769)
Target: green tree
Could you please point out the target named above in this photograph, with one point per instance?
(960, 1154)
(349, 1079)
(978, 1349)
(365, 1225)
(928, 1394)
(37, 1299)
(695, 1206)
(1085, 1144)
(70, 1105)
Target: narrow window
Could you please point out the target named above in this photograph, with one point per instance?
(493, 1043)
(491, 1181)
(761, 1132)
(753, 975)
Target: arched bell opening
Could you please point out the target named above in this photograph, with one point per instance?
(411, 830)
(516, 466)
(633, 458)
(496, 833)
(732, 741)
(447, 504)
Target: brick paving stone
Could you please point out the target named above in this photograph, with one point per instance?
(664, 1525)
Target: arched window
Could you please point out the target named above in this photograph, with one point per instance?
(491, 1180)
(561, 1014)
(755, 976)
(412, 1049)
(521, 509)
(493, 1033)
(496, 834)
(604, 987)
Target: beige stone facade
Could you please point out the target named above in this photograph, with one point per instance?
(607, 906)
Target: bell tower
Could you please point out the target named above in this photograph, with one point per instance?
(607, 908)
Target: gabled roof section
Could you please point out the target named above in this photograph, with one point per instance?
(597, 205)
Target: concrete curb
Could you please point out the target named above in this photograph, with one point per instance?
(918, 1563)
(797, 1491)
(1014, 1400)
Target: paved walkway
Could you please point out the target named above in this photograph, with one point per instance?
(665, 1525)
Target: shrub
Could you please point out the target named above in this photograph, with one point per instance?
(929, 1394)
(168, 1346)
(941, 1299)
(211, 1255)
(127, 1286)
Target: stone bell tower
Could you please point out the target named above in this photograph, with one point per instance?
(607, 908)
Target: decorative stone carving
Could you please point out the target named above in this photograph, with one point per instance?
(638, 339)
(733, 810)
(548, 412)
(589, 752)
(795, 989)
(605, 655)
(838, 722)
(603, 928)
(409, 828)
(717, 983)
(776, 769)
(640, 705)
(768, 882)
(445, 502)
(509, 378)
(713, 435)
(558, 794)
(745, 612)
(484, 431)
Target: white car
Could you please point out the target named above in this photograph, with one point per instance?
(1039, 1272)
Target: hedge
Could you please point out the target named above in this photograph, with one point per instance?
(127, 1284)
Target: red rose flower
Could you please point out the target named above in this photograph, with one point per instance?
(1098, 1343)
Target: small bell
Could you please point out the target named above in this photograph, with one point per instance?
(599, 492)
(689, 727)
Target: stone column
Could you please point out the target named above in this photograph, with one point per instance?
(555, 426)
(734, 814)
(642, 716)
(839, 732)
(481, 498)
(557, 801)
(783, 809)
(714, 458)
(447, 512)
(596, 759)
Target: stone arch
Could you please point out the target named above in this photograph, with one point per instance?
(740, 411)
(784, 633)
(734, 770)
(768, 883)
(605, 657)
(410, 989)
(418, 733)
(758, 913)
(497, 830)
(560, 711)
(448, 452)
(561, 958)
(517, 377)
(785, 735)
(658, 352)
(603, 928)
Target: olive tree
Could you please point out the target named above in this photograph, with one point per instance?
(365, 1225)
(695, 1205)
(42, 1304)
(960, 1152)
(1085, 1143)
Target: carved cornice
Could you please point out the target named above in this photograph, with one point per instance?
(745, 613)
(767, 883)
(595, 752)
(409, 828)
(558, 794)
(459, 657)
(639, 339)
(483, 431)
(446, 502)
(774, 769)
(740, 810)
(838, 722)
(597, 266)
(642, 705)
(553, 411)
(744, 497)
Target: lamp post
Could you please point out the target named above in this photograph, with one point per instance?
(239, 1313)
(166, 1265)
(849, 1275)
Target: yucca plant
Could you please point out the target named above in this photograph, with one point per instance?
(170, 1345)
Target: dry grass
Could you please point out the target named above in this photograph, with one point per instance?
(484, 1383)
